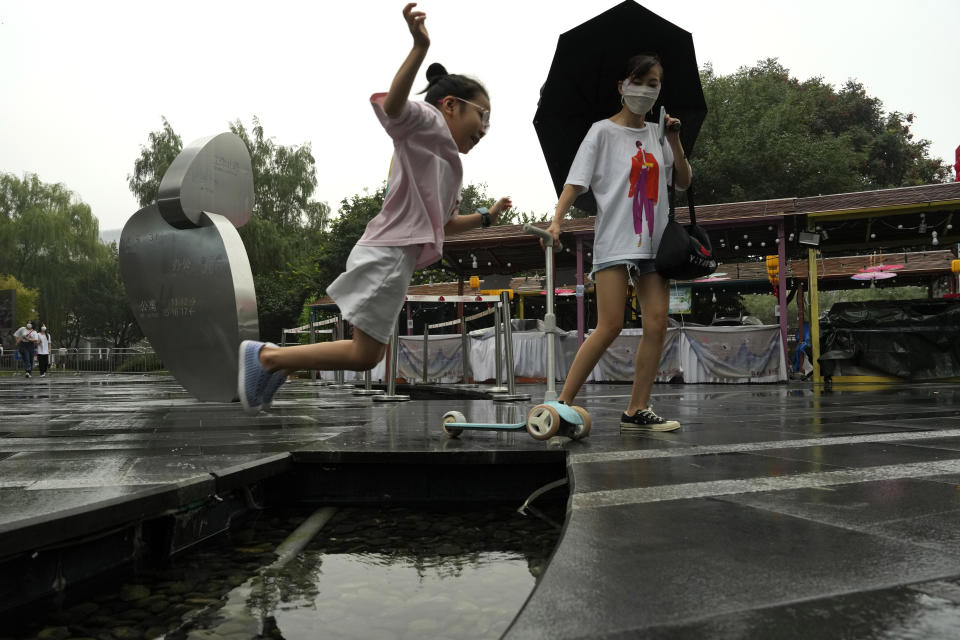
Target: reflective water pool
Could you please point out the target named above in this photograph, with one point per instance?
(369, 573)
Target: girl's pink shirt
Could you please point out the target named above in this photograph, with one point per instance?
(425, 180)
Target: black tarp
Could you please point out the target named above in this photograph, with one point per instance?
(912, 339)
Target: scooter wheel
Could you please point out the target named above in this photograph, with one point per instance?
(581, 430)
(452, 416)
(543, 422)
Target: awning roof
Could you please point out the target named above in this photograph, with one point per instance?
(855, 222)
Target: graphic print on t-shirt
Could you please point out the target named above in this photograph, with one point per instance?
(644, 189)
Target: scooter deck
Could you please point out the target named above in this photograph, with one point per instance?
(480, 426)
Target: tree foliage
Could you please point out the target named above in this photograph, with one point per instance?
(50, 239)
(330, 254)
(154, 160)
(286, 222)
(284, 179)
(26, 305)
(768, 135)
(103, 310)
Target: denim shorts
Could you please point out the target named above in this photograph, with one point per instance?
(635, 266)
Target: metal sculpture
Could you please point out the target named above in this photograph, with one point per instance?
(186, 271)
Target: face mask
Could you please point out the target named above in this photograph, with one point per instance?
(43, 328)
(639, 98)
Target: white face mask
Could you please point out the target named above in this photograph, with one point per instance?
(639, 98)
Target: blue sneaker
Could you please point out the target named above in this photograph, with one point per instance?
(252, 378)
(277, 378)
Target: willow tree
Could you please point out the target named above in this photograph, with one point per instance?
(49, 235)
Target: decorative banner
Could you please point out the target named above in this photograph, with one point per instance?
(186, 272)
(681, 298)
(733, 354)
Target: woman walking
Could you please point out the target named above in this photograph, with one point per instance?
(622, 160)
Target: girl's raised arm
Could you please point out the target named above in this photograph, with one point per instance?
(403, 82)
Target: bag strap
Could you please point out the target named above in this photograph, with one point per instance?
(690, 204)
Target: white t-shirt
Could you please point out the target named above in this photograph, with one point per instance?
(628, 170)
(25, 335)
(43, 346)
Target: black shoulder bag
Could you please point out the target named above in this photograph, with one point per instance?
(684, 253)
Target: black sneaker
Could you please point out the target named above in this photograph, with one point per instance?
(647, 420)
(26, 375)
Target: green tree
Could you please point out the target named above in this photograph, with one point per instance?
(330, 255)
(103, 310)
(155, 158)
(768, 135)
(26, 299)
(284, 179)
(48, 236)
(286, 224)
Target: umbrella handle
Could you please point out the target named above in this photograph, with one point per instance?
(663, 130)
(660, 121)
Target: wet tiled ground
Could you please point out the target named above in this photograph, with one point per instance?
(777, 511)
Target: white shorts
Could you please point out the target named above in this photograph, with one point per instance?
(370, 293)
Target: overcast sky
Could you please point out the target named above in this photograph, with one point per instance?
(83, 83)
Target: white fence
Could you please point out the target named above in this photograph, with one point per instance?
(102, 360)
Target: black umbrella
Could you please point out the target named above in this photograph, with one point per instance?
(581, 87)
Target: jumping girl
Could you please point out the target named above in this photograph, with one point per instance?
(623, 161)
(420, 208)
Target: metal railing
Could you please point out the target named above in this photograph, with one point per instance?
(92, 360)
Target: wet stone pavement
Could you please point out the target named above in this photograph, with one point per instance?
(778, 511)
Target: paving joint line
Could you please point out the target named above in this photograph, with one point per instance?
(744, 447)
(709, 489)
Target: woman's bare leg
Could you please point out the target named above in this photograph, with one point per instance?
(611, 298)
(653, 293)
(362, 353)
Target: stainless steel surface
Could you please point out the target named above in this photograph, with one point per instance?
(368, 389)
(498, 352)
(340, 333)
(549, 318)
(511, 395)
(210, 175)
(464, 350)
(192, 293)
(187, 276)
(391, 394)
(426, 353)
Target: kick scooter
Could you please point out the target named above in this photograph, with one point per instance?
(550, 418)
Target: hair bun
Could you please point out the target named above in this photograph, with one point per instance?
(435, 71)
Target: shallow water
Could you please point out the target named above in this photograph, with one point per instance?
(369, 573)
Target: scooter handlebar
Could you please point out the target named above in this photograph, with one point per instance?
(545, 235)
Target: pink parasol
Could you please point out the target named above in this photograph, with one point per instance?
(873, 275)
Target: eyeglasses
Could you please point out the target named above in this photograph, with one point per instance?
(484, 113)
